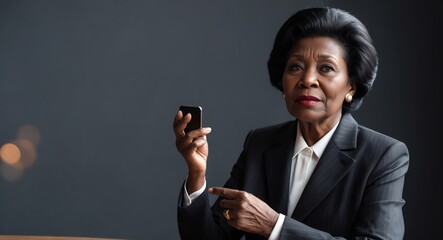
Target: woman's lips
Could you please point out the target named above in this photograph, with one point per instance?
(307, 100)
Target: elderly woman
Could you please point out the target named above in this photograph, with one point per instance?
(320, 176)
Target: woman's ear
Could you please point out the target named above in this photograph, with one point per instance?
(352, 88)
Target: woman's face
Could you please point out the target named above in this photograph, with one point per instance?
(315, 81)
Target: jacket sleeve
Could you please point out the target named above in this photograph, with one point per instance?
(196, 220)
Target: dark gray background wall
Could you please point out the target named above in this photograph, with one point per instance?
(102, 80)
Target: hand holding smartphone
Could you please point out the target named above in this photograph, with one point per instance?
(196, 120)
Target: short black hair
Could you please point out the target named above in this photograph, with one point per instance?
(360, 54)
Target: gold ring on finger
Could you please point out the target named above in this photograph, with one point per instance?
(226, 214)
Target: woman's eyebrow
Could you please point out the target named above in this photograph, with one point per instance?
(322, 56)
(328, 56)
(296, 56)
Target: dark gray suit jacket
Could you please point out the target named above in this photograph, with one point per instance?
(355, 191)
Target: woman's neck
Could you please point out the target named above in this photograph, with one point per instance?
(313, 131)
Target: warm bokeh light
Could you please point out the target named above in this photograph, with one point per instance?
(28, 152)
(29, 132)
(19, 154)
(10, 153)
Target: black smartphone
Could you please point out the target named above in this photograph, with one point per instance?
(196, 120)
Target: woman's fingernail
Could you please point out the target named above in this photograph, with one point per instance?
(207, 129)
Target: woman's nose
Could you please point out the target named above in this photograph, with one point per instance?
(309, 79)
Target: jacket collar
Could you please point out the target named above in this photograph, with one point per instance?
(278, 166)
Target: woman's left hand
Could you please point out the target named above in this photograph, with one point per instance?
(246, 212)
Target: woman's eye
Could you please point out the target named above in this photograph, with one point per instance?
(295, 67)
(327, 68)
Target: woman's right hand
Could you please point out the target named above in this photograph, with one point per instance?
(194, 149)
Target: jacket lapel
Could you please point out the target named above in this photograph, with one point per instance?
(331, 168)
(277, 161)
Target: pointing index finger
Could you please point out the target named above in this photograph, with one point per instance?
(228, 193)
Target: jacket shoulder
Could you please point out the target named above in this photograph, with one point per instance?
(377, 138)
(270, 134)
